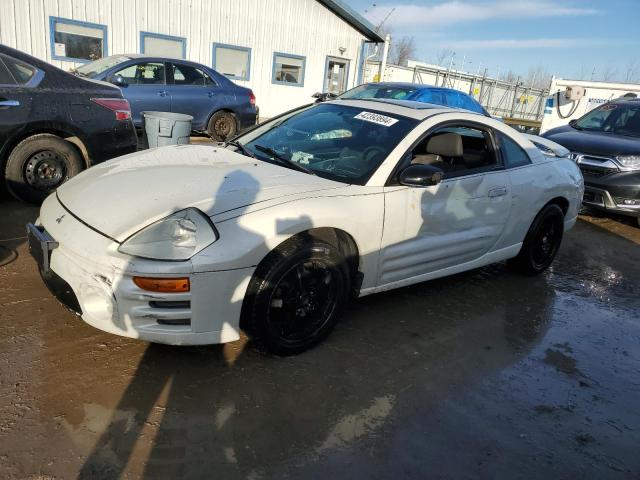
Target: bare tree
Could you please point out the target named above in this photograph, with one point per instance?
(401, 51)
(609, 72)
(509, 76)
(631, 74)
(443, 56)
(537, 77)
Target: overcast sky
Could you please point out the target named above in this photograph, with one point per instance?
(570, 38)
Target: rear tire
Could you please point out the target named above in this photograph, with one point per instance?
(295, 296)
(38, 165)
(222, 126)
(542, 242)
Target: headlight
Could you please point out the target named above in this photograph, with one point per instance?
(629, 162)
(177, 237)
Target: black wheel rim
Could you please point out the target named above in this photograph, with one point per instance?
(45, 170)
(222, 127)
(303, 301)
(546, 243)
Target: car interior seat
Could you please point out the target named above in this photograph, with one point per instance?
(444, 151)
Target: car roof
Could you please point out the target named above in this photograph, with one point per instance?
(406, 108)
(417, 86)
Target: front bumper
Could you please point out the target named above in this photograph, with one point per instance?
(612, 201)
(101, 281)
(607, 189)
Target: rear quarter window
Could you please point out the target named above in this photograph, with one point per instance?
(20, 71)
(512, 153)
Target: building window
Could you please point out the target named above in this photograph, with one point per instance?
(288, 69)
(77, 41)
(163, 45)
(232, 61)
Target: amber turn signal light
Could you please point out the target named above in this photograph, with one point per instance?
(163, 285)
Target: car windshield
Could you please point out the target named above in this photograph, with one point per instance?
(338, 142)
(616, 118)
(99, 66)
(378, 91)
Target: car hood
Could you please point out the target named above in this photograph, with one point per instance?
(121, 196)
(594, 143)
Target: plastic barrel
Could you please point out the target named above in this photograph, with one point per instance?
(166, 128)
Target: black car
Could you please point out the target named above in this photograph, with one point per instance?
(606, 145)
(54, 124)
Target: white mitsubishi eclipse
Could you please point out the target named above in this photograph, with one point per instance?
(273, 232)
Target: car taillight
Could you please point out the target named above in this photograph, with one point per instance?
(119, 106)
(252, 98)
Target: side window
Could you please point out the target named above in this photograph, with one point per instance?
(187, 75)
(5, 77)
(457, 150)
(512, 153)
(143, 74)
(20, 72)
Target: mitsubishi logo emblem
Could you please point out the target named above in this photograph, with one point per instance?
(59, 219)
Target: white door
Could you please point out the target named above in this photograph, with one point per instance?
(449, 224)
(335, 75)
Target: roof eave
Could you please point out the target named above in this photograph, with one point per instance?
(353, 18)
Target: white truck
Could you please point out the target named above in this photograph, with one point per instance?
(571, 99)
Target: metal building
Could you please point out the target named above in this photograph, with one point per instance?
(285, 50)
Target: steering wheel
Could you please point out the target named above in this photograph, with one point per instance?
(371, 153)
(334, 165)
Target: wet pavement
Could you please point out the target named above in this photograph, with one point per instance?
(481, 375)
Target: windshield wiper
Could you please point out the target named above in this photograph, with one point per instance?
(283, 160)
(241, 147)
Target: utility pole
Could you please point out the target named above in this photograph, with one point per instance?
(385, 54)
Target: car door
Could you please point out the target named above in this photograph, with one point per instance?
(192, 91)
(17, 83)
(452, 223)
(145, 88)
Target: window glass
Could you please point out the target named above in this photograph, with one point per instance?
(338, 142)
(288, 70)
(513, 154)
(143, 74)
(100, 66)
(232, 62)
(187, 75)
(457, 150)
(20, 71)
(78, 40)
(614, 118)
(5, 77)
(373, 90)
(161, 46)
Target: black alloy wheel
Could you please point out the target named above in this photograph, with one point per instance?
(295, 296)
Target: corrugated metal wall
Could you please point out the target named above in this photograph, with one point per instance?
(300, 27)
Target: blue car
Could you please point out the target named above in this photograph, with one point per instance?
(218, 106)
(416, 92)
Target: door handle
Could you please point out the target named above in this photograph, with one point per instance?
(211, 94)
(162, 93)
(498, 192)
(9, 103)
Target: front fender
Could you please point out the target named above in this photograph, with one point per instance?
(245, 240)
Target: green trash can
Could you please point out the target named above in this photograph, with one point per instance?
(166, 128)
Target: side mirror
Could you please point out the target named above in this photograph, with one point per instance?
(117, 80)
(420, 175)
(323, 97)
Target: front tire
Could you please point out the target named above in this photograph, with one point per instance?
(222, 126)
(295, 296)
(542, 242)
(38, 165)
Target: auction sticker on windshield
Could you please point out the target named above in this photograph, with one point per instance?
(376, 118)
